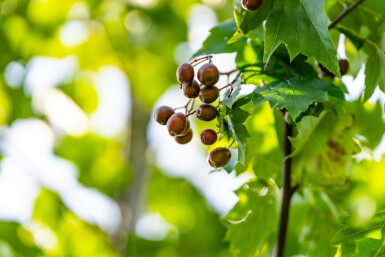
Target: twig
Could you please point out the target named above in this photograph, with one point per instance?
(287, 190)
(200, 60)
(184, 106)
(344, 13)
(228, 72)
(191, 113)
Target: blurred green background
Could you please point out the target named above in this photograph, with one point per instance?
(78, 82)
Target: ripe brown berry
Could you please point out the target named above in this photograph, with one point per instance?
(208, 137)
(251, 5)
(163, 113)
(208, 94)
(185, 73)
(191, 90)
(185, 138)
(206, 112)
(176, 124)
(344, 66)
(208, 74)
(219, 157)
(186, 129)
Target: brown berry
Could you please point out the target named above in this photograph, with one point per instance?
(185, 138)
(185, 73)
(191, 90)
(163, 113)
(206, 112)
(176, 124)
(208, 137)
(208, 94)
(251, 5)
(344, 66)
(187, 128)
(208, 74)
(219, 157)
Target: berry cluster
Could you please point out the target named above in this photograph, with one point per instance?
(177, 123)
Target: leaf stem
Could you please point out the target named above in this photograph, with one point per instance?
(345, 12)
(287, 190)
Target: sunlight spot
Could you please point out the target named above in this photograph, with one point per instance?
(110, 118)
(366, 208)
(145, 3)
(43, 236)
(152, 226)
(61, 111)
(14, 74)
(47, 72)
(202, 19)
(17, 192)
(73, 33)
(137, 23)
(93, 206)
(79, 11)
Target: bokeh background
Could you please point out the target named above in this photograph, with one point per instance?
(84, 171)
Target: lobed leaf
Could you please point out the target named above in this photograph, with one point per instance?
(302, 25)
(217, 41)
(296, 95)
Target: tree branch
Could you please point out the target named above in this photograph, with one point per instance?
(287, 190)
(344, 13)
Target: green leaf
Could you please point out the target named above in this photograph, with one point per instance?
(217, 41)
(360, 241)
(295, 95)
(375, 75)
(352, 233)
(323, 149)
(247, 20)
(253, 220)
(236, 117)
(370, 247)
(232, 93)
(303, 27)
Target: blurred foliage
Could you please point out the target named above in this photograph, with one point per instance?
(141, 41)
(145, 40)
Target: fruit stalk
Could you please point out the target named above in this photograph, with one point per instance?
(287, 190)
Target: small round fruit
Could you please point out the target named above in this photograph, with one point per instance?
(176, 124)
(208, 74)
(208, 137)
(191, 90)
(251, 5)
(344, 66)
(219, 157)
(206, 112)
(208, 94)
(186, 129)
(185, 73)
(163, 113)
(185, 138)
